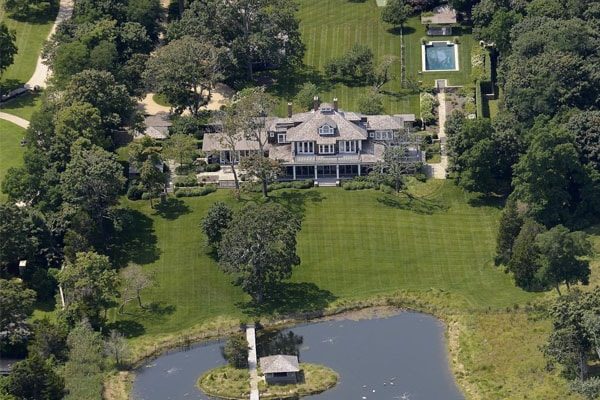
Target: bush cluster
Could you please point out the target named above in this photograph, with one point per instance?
(186, 181)
(428, 104)
(195, 191)
(256, 187)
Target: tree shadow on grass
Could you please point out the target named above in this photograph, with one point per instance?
(487, 201)
(411, 203)
(136, 241)
(293, 200)
(127, 327)
(407, 30)
(171, 208)
(296, 200)
(155, 312)
(291, 299)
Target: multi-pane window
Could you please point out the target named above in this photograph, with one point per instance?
(326, 149)
(326, 130)
(305, 147)
(281, 138)
(348, 146)
(382, 135)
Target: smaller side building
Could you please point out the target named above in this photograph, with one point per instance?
(280, 369)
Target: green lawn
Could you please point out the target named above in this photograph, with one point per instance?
(11, 152)
(30, 38)
(329, 28)
(352, 245)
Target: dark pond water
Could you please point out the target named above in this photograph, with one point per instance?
(399, 357)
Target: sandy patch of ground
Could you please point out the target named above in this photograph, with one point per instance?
(219, 97)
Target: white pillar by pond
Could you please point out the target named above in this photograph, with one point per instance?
(294, 171)
(315, 171)
(337, 171)
(358, 169)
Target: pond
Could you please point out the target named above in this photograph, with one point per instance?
(440, 56)
(402, 357)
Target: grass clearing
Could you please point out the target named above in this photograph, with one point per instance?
(11, 152)
(352, 245)
(31, 35)
(329, 28)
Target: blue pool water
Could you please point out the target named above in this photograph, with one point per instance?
(440, 57)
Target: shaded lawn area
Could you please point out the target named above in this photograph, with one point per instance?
(30, 38)
(353, 244)
(11, 152)
(23, 106)
(329, 28)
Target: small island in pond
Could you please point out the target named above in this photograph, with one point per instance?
(232, 383)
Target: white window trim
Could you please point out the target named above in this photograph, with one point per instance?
(348, 146)
(326, 149)
(330, 130)
(305, 148)
(280, 136)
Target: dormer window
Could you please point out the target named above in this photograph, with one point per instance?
(326, 130)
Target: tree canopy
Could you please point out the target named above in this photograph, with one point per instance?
(259, 247)
(8, 47)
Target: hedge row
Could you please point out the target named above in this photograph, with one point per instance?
(195, 191)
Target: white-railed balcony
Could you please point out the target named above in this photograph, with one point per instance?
(319, 159)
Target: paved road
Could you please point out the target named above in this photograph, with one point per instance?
(41, 73)
(23, 123)
(252, 362)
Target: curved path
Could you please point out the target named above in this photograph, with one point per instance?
(42, 72)
(23, 123)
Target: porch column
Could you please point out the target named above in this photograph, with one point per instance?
(337, 171)
(358, 169)
(315, 171)
(294, 172)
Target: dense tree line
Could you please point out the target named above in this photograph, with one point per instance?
(541, 152)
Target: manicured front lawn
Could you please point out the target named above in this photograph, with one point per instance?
(11, 152)
(30, 38)
(352, 245)
(330, 28)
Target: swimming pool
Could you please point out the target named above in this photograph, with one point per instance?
(440, 56)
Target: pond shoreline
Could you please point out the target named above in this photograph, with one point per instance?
(118, 386)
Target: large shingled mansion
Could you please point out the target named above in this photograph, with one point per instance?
(324, 143)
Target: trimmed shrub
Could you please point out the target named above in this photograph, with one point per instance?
(195, 191)
(428, 104)
(134, 192)
(212, 167)
(186, 181)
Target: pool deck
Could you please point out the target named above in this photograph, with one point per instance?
(252, 362)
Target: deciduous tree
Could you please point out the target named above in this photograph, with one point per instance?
(259, 247)
(8, 47)
(216, 221)
(562, 257)
(90, 285)
(185, 71)
(35, 378)
(135, 280)
(265, 169)
(16, 304)
(396, 12)
(92, 180)
(180, 147)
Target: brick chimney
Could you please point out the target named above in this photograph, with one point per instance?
(289, 110)
(335, 104)
(316, 103)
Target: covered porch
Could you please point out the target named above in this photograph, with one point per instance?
(330, 171)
